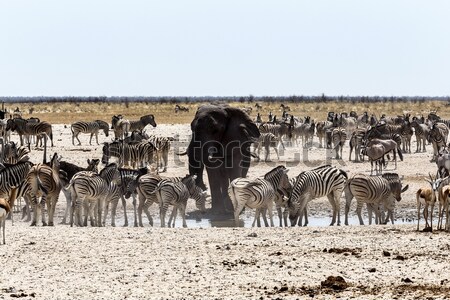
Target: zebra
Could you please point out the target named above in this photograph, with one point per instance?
(129, 154)
(338, 136)
(88, 127)
(70, 170)
(406, 134)
(23, 128)
(437, 136)
(13, 154)
(376, 190)
(322, 181)
(176, 194)
(356, 142)
(266, 140)
(321, 128)
(142, 122)
(44, 181)
(13, 176)
(91, 190)
(162, 145)
(278, 130)
(120, 126)
(259, 193)
(421, 133)
(433, 117)
(126, 176)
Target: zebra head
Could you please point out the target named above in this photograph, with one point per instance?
(148, 119)
(395, 185)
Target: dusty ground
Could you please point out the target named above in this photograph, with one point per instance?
(224, 263)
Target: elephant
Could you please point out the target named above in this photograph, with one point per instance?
(221, 139)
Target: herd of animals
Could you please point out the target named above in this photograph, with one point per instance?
(91, 193)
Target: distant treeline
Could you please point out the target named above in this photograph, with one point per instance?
(243, 99)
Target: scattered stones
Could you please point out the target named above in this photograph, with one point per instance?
(253, 234)
(336, 283)
(386, 253)
(400, 257)
(407, 280)
(427, 229)
(372, 270)
(355, 251)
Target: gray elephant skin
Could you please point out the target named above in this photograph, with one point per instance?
(221, 139)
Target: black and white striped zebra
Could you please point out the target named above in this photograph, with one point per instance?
(322, 181)
(179, 108)
(162, 145)
(176, 194)
(44, 182)
(120, 126)
(24, 128)
(69, 170)
(385, 189)
(91, 190)
(126, 176)
(278, 130)
(356, 143)
(142, 122)
(258, 194)
(266, 140)
(321, 128)
(338, 137)
(406, 134)
(421, 133)
(437, 136)
(88, 127)
(14, 154)
(12, 176)
(135, 155)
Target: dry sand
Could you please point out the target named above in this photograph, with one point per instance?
(375, 262)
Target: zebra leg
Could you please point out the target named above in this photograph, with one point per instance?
(173, 215)
(263, 212)
(68, 205)
(305, 212)
(90, 139)
(270, 210)
(43, 202)
(124, 206)
(183, 214)
(280, 217)
(359, 205)
(237, 212)
(27, 208)
(35, 205)
(257, 212)
(335, 206)
(162, 215)
(348, 201)
(114, 204)
(78, 139)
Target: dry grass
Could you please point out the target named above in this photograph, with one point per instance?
(67, 113)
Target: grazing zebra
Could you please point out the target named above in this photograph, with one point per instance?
(142, 122)
(44, 181)
(266, 140)
(88, 127)
(70, 170)
(437, 136)
(91, 190)
(162, 145)
(140, 153)
(338, 136)
(13, 154)
(258, 194)
(421, 133)
(322, 181)
(384, 189)
(179, 108)
(176, 194)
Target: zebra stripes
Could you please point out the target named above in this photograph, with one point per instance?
(134, 155)
(338, 137)
(44, 181)
(322, 181)
(421, 132)
(266, 140)
(376, 190)
(176, 194)
(91, 190)
(437, 136)
(88, 127)
(13, 154)
(27, 129)
(12, 176)
(142, 122)
(162, 145)
(258, 194)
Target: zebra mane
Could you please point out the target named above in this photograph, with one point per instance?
(320, 167)
(274, 170)
(391, 176)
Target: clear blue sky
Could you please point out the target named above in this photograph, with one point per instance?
(224, 48)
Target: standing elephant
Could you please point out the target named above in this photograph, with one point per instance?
(221, 139)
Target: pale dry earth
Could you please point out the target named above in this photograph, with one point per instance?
(228, 263)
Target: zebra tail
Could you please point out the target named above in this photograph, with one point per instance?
(400, 154)
(344, 173)
(41, 186)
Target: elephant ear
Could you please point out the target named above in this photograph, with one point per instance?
(246, 126)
